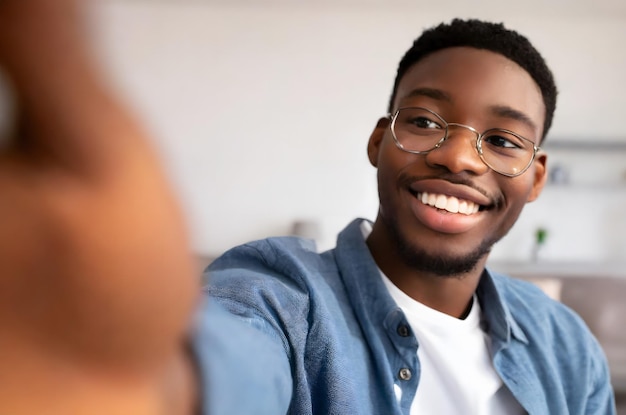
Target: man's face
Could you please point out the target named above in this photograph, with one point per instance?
(473, 87)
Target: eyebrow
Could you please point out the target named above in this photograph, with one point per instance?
(433, 93)
(513, 114)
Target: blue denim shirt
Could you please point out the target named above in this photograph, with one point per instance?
(347, 343)
(232, 378)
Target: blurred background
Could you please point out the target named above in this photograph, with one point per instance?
(262, 110)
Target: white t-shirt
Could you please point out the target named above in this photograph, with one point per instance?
(457, 374)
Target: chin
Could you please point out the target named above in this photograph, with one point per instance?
(444, 264)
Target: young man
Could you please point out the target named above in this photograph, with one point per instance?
(97, 282)
(402, 317)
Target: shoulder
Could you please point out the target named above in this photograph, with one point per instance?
(550, 326)
(281, 264)
(535, 311)
(270, 283)
(526, 301)
(280, 254)
(558, 343)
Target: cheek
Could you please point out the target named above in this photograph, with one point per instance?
(392, 165)
(393, 168)
(386, 187)
(516, 196)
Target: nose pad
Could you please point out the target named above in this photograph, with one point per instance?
(459, 151)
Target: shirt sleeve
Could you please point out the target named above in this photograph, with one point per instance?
(601, 399)
(241, 369)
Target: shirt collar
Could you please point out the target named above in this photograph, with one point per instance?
(367, 293)
(498, 317)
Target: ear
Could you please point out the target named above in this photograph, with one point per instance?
(540, 176)
(376, 138)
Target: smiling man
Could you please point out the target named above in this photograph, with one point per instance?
(402, 317)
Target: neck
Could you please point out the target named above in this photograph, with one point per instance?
(449, 294)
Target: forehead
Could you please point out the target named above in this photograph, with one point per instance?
(472, 82)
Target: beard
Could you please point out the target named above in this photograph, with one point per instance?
(446, 266)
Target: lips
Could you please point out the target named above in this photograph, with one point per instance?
(448, 207)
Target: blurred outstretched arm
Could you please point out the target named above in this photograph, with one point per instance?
(96, 278)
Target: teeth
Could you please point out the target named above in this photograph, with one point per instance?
(463, 205)
(432, 199)
(453, 205)
(442, 202)
(448, 203)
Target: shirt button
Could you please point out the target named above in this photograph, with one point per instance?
(403, 330)
(405, 373)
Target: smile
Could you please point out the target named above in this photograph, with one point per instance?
(448, 203)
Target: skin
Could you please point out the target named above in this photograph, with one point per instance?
(96, 278)
(413, 243)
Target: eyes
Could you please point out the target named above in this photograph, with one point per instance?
(503, 140)
(425, 123)
(422, 123)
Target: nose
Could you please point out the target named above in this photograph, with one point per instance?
(458, 152)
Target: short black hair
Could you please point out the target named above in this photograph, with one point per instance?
(493, 37)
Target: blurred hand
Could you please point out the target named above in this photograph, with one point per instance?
(96, 276)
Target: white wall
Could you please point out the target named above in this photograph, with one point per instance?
(263, 114)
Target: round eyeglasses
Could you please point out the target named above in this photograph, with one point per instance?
(419, 130)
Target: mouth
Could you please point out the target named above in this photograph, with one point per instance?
(449, 207)
(451, 204)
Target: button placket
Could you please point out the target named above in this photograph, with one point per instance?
(401, 335)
